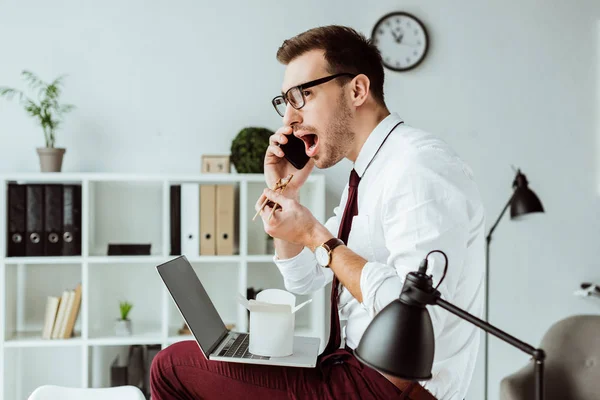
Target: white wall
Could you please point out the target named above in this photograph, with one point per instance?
(504, 83)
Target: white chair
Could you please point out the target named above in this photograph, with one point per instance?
(53, 392)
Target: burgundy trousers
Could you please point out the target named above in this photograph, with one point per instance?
(181, 371)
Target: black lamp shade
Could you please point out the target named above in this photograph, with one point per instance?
(524, 200)
(399, 342)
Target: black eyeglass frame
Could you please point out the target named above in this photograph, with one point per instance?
(307, 85)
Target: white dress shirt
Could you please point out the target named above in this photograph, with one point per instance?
(416, 195)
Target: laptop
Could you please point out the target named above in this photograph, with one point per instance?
(215, 341)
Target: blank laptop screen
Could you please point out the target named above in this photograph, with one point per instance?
(193, 301)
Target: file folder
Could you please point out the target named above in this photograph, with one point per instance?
(71, 240)
(190, 219)
(53, 220)
(34, 243)
(16, 221)
(175, 219)
(226, 213)
(208, 204)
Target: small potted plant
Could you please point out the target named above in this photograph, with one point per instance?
(47, 111)
(123, 325)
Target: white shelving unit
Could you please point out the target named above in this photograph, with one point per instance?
(128, 208)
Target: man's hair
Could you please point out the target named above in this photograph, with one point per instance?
(345, 50)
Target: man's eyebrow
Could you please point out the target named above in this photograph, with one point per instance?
(283, 93)
(300, 84)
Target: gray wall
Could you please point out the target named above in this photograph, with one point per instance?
(158, 84)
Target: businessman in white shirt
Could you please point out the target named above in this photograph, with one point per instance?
(414, 195)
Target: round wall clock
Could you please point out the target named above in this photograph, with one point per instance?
(402, 40)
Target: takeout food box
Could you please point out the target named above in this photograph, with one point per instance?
(272, 322)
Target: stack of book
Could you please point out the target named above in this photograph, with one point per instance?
(61, 314)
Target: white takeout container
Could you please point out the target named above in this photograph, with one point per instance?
(272, 321)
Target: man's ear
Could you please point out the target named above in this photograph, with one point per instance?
(361, 86)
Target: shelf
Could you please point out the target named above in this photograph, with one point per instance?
(152, 259)
(140, 336)
(133, 177)
(126, 259)
(34, 339)
(129, 208)
(50, 177)
(44, 260)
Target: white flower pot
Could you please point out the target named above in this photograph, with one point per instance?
(123, 327)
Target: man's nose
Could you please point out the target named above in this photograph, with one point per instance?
(291, 116)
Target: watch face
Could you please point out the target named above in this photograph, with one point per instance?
(322, 256)
(402, 40)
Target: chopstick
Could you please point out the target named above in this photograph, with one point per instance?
(281, 184)
(277, 186)
(275, 206)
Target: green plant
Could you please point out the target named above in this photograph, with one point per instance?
(46, 110)
(125, 308)
(248, 150)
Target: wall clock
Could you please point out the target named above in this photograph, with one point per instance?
(402, 40)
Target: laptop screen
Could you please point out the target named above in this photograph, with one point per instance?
(193, 302)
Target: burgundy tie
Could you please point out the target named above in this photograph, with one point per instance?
(335, 337)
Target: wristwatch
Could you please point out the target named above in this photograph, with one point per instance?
(323, 252)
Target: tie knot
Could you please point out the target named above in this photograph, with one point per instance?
(354, 179)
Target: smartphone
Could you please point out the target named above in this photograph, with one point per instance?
(294, 151)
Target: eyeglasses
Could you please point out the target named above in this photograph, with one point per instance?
(295, 95)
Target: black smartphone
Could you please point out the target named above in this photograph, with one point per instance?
(294, 151)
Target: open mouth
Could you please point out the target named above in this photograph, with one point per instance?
(310, 142)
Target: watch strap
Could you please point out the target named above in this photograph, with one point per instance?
(333, 243)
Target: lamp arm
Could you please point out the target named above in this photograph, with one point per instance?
(537, 354)
(489, 235)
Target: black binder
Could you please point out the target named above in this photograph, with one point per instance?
(118, 373)
(53, 219)
(151, 351)
(175, 212)
(16, 221)
(132, 371)
(34, 243)
(71, 240)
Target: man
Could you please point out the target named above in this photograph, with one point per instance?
(414, 195)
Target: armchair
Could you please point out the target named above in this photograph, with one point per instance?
(572, 365)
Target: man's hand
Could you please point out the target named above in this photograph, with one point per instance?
(277, 167)
(290, 221)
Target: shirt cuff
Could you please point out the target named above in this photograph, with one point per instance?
(290, 268)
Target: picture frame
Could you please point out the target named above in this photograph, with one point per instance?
(216, 164)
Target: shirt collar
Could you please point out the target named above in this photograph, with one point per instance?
(374, 141)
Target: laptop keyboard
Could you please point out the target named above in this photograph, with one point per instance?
(237, 347)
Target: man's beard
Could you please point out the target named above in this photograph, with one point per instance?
(340, 137)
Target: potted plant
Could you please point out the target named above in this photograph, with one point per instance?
(248, 150)
(47, 111)
(123, 325)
